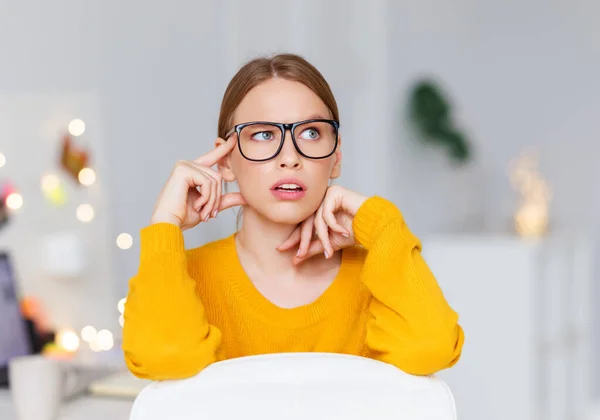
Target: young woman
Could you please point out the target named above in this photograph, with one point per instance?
(313, 268)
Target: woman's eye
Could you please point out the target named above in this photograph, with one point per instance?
(309, 134)
(263, 135)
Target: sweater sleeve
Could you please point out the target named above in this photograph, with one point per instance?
(410, 323)
(166, 334)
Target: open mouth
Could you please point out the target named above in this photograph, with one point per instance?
(289, 187)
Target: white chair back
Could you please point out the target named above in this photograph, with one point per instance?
(307, 386)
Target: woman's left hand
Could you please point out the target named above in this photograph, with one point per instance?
(332, 224)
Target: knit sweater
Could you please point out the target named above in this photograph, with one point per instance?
(188, 309)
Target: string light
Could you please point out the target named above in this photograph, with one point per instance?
(95, 346)
(105, 340)
(87, 176)
(89, 334)
(2, 160)
(97, 340)
(14, 201)
(67, 339)
(53, 190)
(121, 305)
(76, 127)
(121, 308)
(124, 241)
(85, 213)
(50, 182)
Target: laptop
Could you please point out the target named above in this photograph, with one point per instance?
(15, 339)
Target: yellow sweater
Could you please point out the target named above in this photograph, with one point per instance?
(187, 309)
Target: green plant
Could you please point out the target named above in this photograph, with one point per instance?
(431, 114)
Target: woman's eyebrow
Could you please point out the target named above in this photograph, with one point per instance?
(316, 117)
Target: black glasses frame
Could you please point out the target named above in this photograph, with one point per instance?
(284, 127)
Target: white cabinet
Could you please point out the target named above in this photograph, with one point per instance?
(526, 308)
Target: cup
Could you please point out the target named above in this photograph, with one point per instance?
(37, 386)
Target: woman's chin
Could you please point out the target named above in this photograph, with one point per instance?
(286, 218)
(288, 215)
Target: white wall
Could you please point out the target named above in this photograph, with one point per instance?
(74, 280)
(520, 74)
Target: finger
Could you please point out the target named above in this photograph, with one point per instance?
(333, 224)
(323, 233)
(231, 200)
(306, 235)
(201, 202)
(196, 198)
(195, 178)
(217, 188)
(218, 153)
(291, 240)
(219, 195)
(207, 190)
(210, 206)
(315, 248)
(331, 204)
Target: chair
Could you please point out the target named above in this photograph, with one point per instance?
(308, 386)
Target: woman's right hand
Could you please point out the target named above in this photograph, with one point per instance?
(193, 192)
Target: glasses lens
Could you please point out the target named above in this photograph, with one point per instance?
(259, 141)
(316, 139)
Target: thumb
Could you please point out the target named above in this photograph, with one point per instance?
(315, 248)
(231, 200)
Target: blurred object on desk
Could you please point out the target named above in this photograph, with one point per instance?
(122, 384)
(40, 379)
(83, 407)
(40, 332)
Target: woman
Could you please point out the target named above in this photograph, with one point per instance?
(313, 268)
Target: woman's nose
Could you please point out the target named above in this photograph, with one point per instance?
(288, 156)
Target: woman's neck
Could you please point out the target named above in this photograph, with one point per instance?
(258, 240)
(272, 272)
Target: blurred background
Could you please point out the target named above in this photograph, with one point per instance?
(478, 119)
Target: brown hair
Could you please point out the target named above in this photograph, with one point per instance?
(287, 66)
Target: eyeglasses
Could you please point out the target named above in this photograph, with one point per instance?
(263, 140)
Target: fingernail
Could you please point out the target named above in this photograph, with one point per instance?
(215, 213)
(298, 253)
(326, 255)
(345, 235)
(206, 218)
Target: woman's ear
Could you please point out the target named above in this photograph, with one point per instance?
(336, 171)
(224, 165)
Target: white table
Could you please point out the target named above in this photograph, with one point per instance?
(85, 407)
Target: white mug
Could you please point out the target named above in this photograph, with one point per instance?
(37, 386)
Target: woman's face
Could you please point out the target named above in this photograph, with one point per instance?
(283, 101)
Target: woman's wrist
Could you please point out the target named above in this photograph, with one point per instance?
(165, 218)
(353, 201)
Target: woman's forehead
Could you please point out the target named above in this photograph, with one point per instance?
(280, 100)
